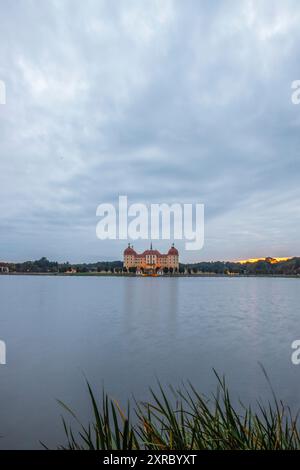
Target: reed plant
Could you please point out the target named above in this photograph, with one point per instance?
(184, 419)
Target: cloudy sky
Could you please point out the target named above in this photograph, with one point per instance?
(160, 100)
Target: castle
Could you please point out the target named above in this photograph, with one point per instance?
(151, 261)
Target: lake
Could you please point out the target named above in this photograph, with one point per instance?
(125, 333)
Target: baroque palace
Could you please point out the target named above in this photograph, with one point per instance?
(151, 262)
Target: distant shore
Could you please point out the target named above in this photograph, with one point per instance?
(108, 274)
(275, 267)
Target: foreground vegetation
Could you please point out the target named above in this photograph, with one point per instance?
(184, 420)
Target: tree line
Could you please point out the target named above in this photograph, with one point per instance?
(263, 267)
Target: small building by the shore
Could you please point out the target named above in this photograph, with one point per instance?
(4, 268)
(71, 271)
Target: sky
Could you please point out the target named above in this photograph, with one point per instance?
(160, 100)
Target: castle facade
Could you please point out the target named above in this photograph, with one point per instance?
(151, 261)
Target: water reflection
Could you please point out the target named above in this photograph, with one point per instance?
(155, 300)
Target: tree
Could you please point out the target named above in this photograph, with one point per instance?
(132, 269)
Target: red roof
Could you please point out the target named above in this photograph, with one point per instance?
(129, 251)
(152, 252)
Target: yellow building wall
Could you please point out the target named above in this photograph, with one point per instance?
(170, 261)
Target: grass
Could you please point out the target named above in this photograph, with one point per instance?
(184, 420)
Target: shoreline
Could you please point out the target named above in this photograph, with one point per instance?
(288, 276)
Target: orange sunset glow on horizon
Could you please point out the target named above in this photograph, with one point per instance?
(270, 260)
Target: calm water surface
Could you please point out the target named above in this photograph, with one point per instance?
(125, 332)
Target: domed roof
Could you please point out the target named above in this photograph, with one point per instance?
(173, 251)
(129, 251)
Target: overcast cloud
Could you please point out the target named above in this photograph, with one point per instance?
(161, 100)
